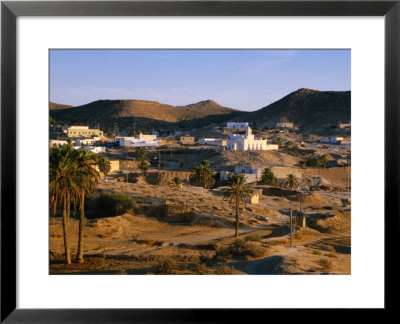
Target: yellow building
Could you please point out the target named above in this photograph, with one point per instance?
(82, 131)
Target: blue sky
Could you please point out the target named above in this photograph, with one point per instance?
(241, 79)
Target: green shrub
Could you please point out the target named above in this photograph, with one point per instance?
(166, 267)
(255, 237)
(114, 204)
(317, 162)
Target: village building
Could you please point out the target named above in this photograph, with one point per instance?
(248, 142)
(187, 140)
(93, 149)
(332, 140)
(252, 174)
(58, 143)
(284, 125)
(87, 141)
(237, 125)
(140, 140)
(82, 131)
(213, 142)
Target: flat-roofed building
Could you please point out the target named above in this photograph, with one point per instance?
(284, 125)
(93, 149)
(237, 125)
(332, 140)
(187, 140)
(58, 143)
(140, 140)
(82, 131)
(213, 142)
(87, 141)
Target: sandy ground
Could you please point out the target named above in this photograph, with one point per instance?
(145, 242)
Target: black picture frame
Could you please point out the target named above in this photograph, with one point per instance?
(10, 10)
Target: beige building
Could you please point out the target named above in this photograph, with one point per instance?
(187, 140)
(82, 131)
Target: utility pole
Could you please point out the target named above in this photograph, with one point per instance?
(300, 198)
(291, 230)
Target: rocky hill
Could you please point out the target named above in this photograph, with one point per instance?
(308, 109)
(145, 114)
(312, 111)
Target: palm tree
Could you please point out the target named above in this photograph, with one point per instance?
(237, 191)
(104, 166)
(63, 187)
(143, 159)
(202, 175)
(268, 178)
(292, 182)
(87, 178)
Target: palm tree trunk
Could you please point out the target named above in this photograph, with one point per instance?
(237, 217)
(65, 233)
(79, 255)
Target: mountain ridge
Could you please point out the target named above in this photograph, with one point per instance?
(306, 108)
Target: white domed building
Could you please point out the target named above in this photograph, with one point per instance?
(248, 142)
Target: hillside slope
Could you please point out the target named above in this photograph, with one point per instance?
(307, 109)
(57, 106)
(312, 111)
(145, 114)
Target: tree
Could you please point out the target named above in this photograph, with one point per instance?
(72, 178)
(268, 178)
(87, 178)
(322, 161)
(109, 133)
(52, 121)
(278, 141)
(237, 191)
(143, 159)
(63, 187)
(292, 182)
(202, 175)
(104, 166)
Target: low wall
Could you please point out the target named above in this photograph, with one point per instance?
(283, 172)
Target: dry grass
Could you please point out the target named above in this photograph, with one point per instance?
(166, 267)
(255, 237)
(325, 265)
(225, 270)
(239, 249)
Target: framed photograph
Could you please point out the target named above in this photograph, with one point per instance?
(161, 158)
